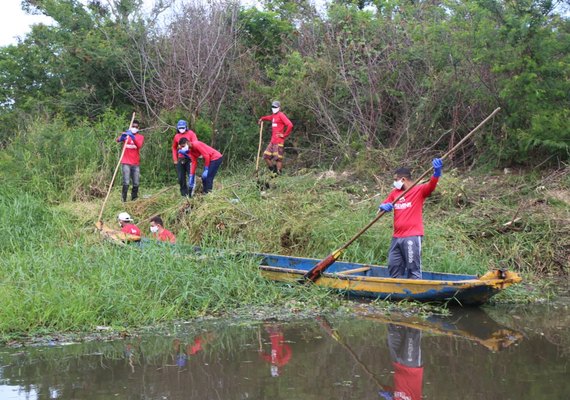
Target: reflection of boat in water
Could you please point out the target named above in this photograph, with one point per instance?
(373, 281)
(404, 337)
(474, 325)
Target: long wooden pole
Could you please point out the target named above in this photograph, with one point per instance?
(314, 273)
(259, 147)
(100, 222)
(334, 334)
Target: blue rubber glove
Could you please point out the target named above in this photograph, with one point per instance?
(123, 137)
(131, 135)
(184, 153)
(437, 166)
(205, 173)
(385, 395)
(191, 181)
(386, 207)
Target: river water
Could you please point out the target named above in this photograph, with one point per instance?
(492, 353)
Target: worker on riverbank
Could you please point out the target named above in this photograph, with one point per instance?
(127, 225)
(281, 128)
(182, 163)
(212, 161)
(130, 162)
(159, 232)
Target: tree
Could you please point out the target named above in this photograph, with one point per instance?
(187, 66)
(72, 66)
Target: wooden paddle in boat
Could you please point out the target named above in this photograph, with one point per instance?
(314, 273)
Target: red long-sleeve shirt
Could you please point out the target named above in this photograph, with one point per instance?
(408, 211)
(280, 351)
(202, 149)
(280, 125)
(132, 154)
(408, 382)
(190, 135)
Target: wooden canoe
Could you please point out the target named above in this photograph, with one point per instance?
(373, 281)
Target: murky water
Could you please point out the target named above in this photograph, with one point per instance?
(474, 354)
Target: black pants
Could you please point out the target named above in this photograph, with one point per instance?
(183, 171)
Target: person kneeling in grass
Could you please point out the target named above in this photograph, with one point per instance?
(158, 232)
(212, 161)
(127, 225)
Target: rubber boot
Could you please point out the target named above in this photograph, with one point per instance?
(125, 192)
(135, 193)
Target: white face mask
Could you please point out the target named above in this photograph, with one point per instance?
(398, 184)
(181, 130)
(185, 148)
(134, 130)
(275, 110)
(154, 229)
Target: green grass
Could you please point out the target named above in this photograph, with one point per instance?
(58, 275)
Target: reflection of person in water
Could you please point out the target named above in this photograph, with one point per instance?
(406, 353)
(183, 353)
(280, 351)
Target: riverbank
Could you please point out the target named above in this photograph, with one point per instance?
(59, 275)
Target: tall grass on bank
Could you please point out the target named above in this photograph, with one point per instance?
(57, 274)
(77, 284)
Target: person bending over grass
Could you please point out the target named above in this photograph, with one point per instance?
(158, 232)
(212, 161)
(405, 254)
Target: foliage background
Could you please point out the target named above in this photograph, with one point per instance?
(354, 76)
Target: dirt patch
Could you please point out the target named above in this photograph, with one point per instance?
(560, 194)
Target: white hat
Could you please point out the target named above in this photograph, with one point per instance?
(124, 217)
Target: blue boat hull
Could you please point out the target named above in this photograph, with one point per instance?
(372, 281)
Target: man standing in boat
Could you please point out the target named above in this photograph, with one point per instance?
(405, 254)
(281, 127)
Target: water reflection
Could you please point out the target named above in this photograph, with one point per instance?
(280, 352)
(404, 344)
(466, 355)
(182, 352)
